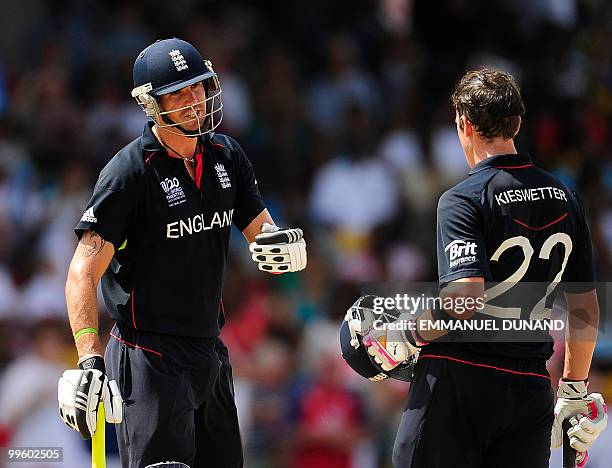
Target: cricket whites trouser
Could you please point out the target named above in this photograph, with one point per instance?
(463, 415)
(179, 400)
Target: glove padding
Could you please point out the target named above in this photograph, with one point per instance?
(387, 344)
(279, 250)
(79, 393)
(389, 348)
(587, 415)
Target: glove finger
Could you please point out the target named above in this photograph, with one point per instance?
(588, 425)
(113, 403)
(272, 249)
(597, 398)
(574, 422)
(274, 267)
(297, 253)
(582, 435)
(578, 445)
(279, 258)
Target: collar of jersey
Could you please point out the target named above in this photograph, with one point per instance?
(506, 160)
(149, 142)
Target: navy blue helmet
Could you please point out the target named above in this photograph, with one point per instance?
(170, 65)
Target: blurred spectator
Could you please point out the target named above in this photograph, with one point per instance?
(28, 396)
(329, 419)
(345, 84)
(355, 191)
(446, 152)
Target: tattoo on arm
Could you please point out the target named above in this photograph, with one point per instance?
(91, 244)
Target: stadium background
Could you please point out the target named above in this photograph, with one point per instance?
(343, 109)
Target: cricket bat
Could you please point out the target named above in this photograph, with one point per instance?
(98, 441)
(569, 454)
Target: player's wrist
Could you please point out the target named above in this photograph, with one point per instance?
(571, 379)
(92, 361)
(89, 344)
(572, 389)
(418, 338)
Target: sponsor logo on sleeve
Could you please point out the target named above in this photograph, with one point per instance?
(460, 251)
(89, 217)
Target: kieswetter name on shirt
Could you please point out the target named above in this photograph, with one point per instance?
(529, 194)
(198, 223)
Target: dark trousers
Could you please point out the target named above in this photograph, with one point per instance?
(461, 415)
(179, 400)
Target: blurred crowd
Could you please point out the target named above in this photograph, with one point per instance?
(343, 109)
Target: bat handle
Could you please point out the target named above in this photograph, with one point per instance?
(98, 448)
(569, 454)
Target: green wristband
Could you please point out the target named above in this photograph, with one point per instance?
(84, 331)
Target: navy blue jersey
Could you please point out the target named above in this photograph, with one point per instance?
(170, 232)
(513, 223)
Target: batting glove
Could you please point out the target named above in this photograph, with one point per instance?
(389, 348)
(278, 250)
(587, 415)
(79, 392)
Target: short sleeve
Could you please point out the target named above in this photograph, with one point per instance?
(110, 210)
(462, 250)
(248, 199)
(578, 276)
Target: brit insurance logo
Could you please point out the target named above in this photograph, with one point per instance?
(178, 60)
(460, 251)
(222, 174)
(174, 192)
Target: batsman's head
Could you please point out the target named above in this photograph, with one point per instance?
(488, 108)
(177, 88)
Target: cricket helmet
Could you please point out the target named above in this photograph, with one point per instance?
(170, 65)
(362, 316)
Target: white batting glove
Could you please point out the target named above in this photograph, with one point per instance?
(587, 415)
(388, 348)
(278, 250)
(79, 392)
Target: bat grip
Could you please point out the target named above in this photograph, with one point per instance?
(569, 454)
(98, 447)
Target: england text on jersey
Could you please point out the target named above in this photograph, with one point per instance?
(198, 223)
